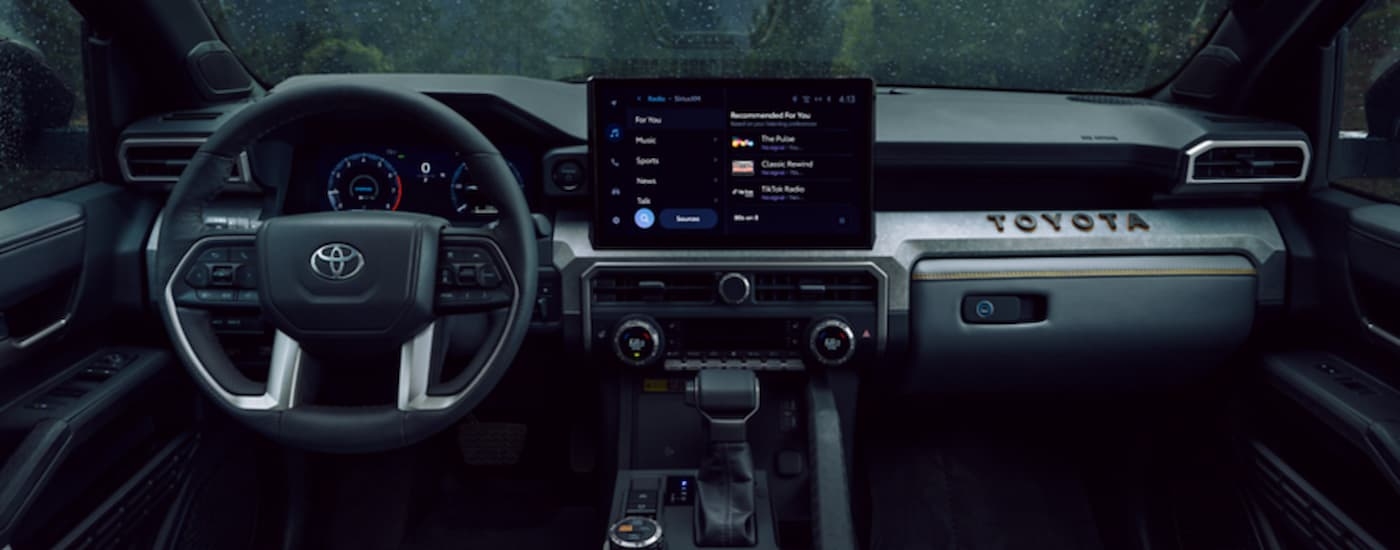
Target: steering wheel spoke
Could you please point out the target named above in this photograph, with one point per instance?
(284, 372)
(419, 360)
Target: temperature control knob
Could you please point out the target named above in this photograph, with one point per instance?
(638, 341)
(635, 533)
(831, 341)
(734, 288)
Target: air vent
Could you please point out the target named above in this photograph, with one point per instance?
(654, 287)
(814, 287)
(1247, 162)
(192, 115)
(161, 160)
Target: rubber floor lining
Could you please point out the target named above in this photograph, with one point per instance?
(975, 491)
(505, 514)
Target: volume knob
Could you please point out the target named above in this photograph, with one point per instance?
(734, 288)
(638, 341)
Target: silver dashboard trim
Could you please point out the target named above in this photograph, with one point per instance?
(1208, 145)
(286, 358)
(243, 177)
(418, 351)
(904, 238)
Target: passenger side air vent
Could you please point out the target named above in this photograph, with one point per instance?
(1247, 162)
(654, 287)
(162, 160)
(815, 287)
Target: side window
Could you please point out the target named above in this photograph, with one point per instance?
(43, 114)
(1373, 47)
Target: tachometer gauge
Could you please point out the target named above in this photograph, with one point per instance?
(467, 198)
(364, 181)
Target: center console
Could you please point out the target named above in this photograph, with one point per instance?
(703, 461)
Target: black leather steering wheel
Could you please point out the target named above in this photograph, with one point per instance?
(344, 287)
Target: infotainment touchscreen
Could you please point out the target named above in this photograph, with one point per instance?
(724, 163)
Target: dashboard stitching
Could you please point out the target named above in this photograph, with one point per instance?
(967, 275)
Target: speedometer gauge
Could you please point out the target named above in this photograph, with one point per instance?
(467, 198)
(364, 181)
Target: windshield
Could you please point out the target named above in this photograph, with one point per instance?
(1070, 45)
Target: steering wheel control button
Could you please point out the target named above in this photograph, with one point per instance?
(831, 341)
(242, 254)
(635, 533)
(466, 274)
(245, 276)
(215, 296)
(221, 274)
(638, 341)
(214, 255)
(488, 277)
(197, 276)
(465, 254)
(734, 288)
(984, 310)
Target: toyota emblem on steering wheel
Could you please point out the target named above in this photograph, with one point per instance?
(337, 261)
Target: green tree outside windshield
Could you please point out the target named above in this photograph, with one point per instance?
(1086, 45)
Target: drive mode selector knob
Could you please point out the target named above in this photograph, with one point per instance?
(831, 341)
(638, 341)
(635, 533)
(734, 288)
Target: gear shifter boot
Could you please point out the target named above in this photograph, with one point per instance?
(724, 500)
(724, 496)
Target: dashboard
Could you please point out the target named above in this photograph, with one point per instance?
(1037, 204)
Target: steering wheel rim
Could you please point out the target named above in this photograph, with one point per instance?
(424, 405)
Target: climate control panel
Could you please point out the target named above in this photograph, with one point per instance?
(691, 318)
(759, 344)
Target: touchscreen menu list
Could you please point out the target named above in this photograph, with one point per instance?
(731, 163)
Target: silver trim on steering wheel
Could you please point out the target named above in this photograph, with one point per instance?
(416, 355)
(282, 373)
(415, 369)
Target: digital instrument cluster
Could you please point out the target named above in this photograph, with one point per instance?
(425, 179)
(722, 163)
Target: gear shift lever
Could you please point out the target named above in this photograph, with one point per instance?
(724, 496)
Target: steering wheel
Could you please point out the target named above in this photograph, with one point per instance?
(344, 289)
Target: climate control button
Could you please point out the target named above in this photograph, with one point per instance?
(831, 341)
(638, 341)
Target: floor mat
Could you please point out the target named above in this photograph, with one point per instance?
(504, 514)
(975, 491)
(491, 443)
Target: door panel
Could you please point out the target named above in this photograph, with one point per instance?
(90, 401)
(1373, 251)
(41, 252)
